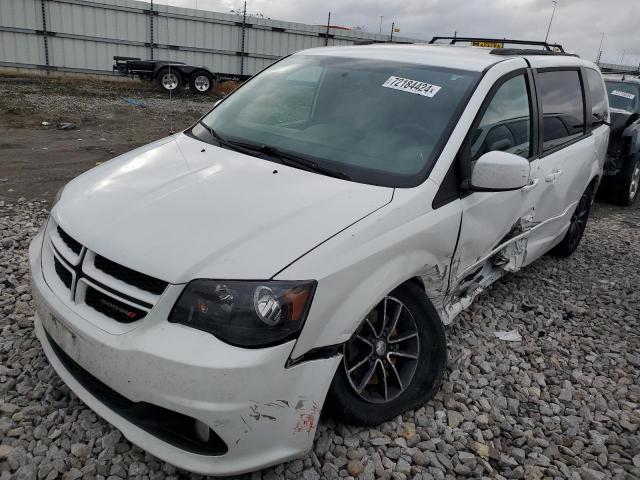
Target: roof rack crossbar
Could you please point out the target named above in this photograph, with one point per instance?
(547, 46)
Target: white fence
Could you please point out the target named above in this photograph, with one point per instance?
(84, 35)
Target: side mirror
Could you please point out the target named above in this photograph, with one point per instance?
(497, 171)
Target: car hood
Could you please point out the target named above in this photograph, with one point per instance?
(179, 209)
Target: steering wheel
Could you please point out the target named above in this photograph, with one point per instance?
(412, 127)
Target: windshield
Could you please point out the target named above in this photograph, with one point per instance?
(374, 121)
(623, 96)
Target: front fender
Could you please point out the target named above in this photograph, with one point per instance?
(358, 267)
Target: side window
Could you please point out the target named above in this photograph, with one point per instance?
(562, 107)
(598, 100)
(506, 123)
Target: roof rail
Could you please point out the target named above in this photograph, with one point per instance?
(551, 47)
(529, 51)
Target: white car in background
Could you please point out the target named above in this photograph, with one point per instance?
(311, 236)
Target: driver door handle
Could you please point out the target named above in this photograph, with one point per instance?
(533, 183)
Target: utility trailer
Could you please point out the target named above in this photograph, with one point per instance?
(171, 76)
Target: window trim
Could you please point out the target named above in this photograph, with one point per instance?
(586, 102)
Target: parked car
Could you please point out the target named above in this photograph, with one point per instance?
(621, 181)
(171, 76)
(309, 238)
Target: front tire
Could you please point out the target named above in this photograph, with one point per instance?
(572, 238)
(394, 362)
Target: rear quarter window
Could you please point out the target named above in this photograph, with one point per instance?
(562, 107)
(598, 97)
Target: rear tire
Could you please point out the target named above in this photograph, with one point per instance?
(572, 238)
(392, 381)
(201, 82)
(169, 80)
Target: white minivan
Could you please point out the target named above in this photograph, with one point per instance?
(308, 239)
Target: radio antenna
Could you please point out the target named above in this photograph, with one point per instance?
(171, 129)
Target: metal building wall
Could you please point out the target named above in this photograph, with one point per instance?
(84, 35)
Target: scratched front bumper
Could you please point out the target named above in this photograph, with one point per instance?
(264, 412)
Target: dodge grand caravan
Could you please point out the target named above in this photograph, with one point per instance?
(306, 241)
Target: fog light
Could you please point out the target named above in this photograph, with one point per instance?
(267, 306)
(202, 431)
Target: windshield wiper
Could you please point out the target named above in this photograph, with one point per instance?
(292, 160)
(220, 139)
(284, 158)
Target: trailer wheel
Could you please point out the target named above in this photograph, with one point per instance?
(201, 82)
(169, 80)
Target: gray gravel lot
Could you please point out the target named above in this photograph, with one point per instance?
(562, 403)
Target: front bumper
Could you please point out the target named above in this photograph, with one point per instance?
(263, 412)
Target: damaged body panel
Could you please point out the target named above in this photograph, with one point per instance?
(175, 369)
(621, 181)
(624, 141)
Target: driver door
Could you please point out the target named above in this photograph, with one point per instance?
(495, 225)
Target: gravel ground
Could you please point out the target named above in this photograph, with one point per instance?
(562, 403)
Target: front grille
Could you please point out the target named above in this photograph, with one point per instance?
(73, 244)
(127, 275)
(172, 427)
(91, 279)
(109, 306)
(63, 273)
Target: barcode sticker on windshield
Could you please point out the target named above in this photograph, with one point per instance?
(630, 96)
(412, 86)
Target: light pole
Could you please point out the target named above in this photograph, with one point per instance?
(555, 2)
(622, 57)
(380, 30)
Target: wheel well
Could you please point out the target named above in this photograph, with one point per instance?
(160, 70)
(200, 70)
(414, 281)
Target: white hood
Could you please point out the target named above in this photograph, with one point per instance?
(179, 209)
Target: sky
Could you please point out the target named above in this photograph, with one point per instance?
(577, 25)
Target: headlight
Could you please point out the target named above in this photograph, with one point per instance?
(245, 313)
